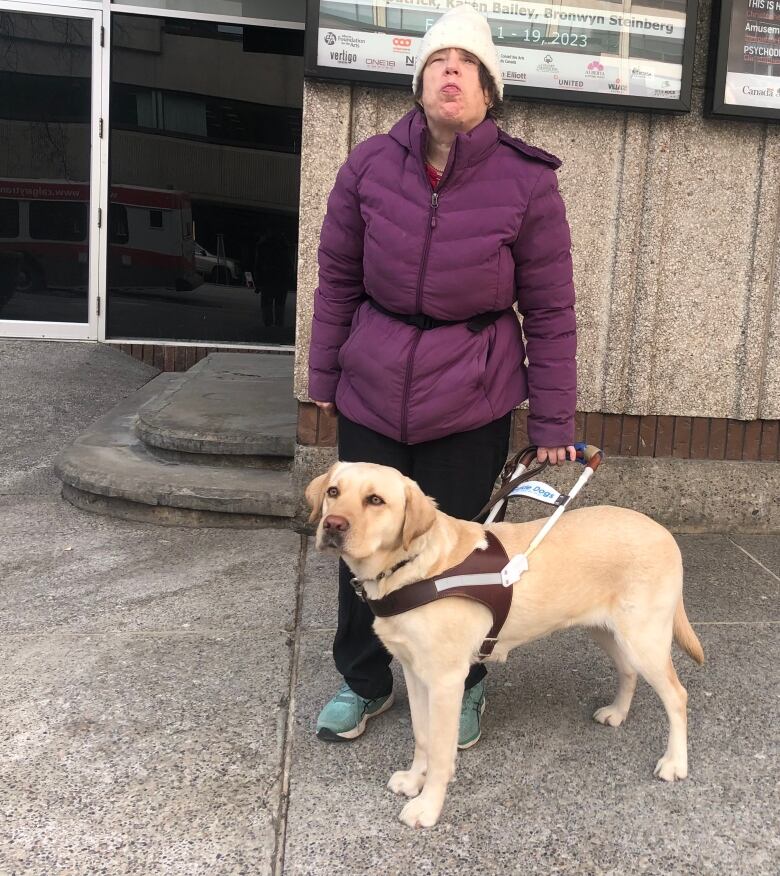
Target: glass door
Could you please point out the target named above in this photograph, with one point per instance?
(50, 129)
(204, 180)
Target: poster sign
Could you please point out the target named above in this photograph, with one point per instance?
(608, 52)
(745, 59)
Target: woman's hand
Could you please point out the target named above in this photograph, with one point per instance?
(327, 408)
(555, 455)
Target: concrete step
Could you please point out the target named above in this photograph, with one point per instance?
(109, 469)
(230, 407)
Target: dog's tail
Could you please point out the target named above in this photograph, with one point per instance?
(685, 636)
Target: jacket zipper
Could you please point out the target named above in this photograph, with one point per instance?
(426, 247)
(418, 297)
(418, 305)
(407, 385)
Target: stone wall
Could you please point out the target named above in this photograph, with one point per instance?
(674, 238)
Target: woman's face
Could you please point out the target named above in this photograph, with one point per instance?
(451, 93)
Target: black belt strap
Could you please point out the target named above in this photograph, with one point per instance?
(426, 323)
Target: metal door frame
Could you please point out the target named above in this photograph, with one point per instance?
(78, 331)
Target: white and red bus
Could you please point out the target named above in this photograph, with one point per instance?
(44, 236)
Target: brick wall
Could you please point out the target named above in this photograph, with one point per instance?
(168, 357)
(623, 435)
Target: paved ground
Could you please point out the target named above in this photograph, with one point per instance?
(158, 690)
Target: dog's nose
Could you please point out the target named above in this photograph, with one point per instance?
(333, 521)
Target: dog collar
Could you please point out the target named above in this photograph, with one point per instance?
(358, 583)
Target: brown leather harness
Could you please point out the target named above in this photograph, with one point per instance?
(478, 577)
(486, 576)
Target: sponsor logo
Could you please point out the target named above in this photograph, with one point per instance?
(343, 39)
(595, 70)
(759, 92)
(381, 63)
(411, 60)
(548, 66)
(401, 44)
(343, 57)
(639, 73)
(618, 86)
(515, 77)
(666, 90)
(570, 83)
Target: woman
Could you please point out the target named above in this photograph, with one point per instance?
(432, 232)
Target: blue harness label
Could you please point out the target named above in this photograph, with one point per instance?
(540, 491)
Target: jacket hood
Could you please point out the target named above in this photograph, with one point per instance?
(411, 132)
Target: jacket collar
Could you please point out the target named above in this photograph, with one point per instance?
(412, 132)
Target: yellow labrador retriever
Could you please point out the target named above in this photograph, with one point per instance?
(609, 569)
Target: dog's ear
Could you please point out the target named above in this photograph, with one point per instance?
(315, 493)
(420, 513)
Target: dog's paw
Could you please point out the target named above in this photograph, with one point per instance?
(406, 782)
(420, 812)
(609, 715)
(670, 769)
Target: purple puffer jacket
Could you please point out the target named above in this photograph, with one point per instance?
(494, 232)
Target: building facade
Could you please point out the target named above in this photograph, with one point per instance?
(165, 173)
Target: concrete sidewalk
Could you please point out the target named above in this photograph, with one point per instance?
(159, 687)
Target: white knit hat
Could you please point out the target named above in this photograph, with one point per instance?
(461, 28)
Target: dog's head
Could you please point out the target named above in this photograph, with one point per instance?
(365, 508)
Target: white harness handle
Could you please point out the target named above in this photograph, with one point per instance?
(588, 454)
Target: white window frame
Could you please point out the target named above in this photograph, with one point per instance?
(75, 331)
(100, 12)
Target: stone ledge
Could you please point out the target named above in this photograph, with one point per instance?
(226, 460)
(109, 460)
(165, 515)
(227, 404)
(684, 495)
(130, 473)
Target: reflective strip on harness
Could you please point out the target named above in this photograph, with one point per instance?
(478, 577)
(467, 580)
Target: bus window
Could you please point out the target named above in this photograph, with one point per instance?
(58, 220)
(118, 231)
(155, 219)
(9, 218)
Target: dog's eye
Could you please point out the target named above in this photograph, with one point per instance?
(333, 492)
(373, 499)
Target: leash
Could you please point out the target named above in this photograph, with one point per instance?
(514, 473)
(517, 479)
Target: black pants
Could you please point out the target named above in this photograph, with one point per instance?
(459, 472)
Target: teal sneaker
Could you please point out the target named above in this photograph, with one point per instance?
(346, 715)
(471, 710)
